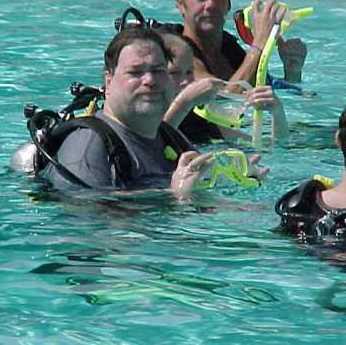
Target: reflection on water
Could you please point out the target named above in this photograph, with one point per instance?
(316, 136)
(103, 280)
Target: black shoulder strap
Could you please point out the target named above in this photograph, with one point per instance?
(117, 151)
(232, 50)
(300, 199)
(174, 138)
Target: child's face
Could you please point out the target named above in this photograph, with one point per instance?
(181, 69)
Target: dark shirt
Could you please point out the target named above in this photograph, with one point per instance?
(196, 128)
(234, 53)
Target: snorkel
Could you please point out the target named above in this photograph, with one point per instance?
(261, 77)
(291, 17)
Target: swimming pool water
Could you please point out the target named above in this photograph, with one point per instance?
(153, 271)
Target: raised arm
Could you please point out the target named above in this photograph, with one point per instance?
(263, 22)
(198, 92)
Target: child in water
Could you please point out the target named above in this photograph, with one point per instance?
(190, 92)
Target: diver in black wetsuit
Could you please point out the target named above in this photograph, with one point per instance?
(316, 211)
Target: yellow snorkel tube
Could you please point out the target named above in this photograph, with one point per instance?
(291, 17)
(326, 181)
(261, 78)
(231, 165)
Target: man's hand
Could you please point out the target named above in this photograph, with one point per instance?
(262, 97)
(292, 53)
(191, 167)
(264, 19)
(254, 171)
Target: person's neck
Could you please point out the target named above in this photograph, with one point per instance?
(147, 130)
(206, 42)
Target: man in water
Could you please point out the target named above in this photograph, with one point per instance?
(217, 53)
(138, 91)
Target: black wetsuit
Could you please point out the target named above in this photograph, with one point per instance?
(305, 215)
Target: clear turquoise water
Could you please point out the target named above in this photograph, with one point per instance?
(156, 272)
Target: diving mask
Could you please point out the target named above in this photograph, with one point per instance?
(233, 165)
(229, 107)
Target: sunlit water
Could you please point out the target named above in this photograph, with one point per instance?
(153, 271)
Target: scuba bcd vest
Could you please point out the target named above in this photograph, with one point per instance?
(49, 129)
(303, 217)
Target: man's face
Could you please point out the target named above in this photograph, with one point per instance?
(140, 87)
(203, 15)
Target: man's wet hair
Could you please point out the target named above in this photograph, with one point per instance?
(127, 37)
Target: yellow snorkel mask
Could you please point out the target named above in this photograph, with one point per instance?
(229, 107)
(232, 165)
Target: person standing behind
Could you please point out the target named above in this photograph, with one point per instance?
(217, 53)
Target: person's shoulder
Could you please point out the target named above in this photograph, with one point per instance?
(94, 132)
(80, 129)
(82, 137)
(299, 208)
(299, 199)
(82, 143)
